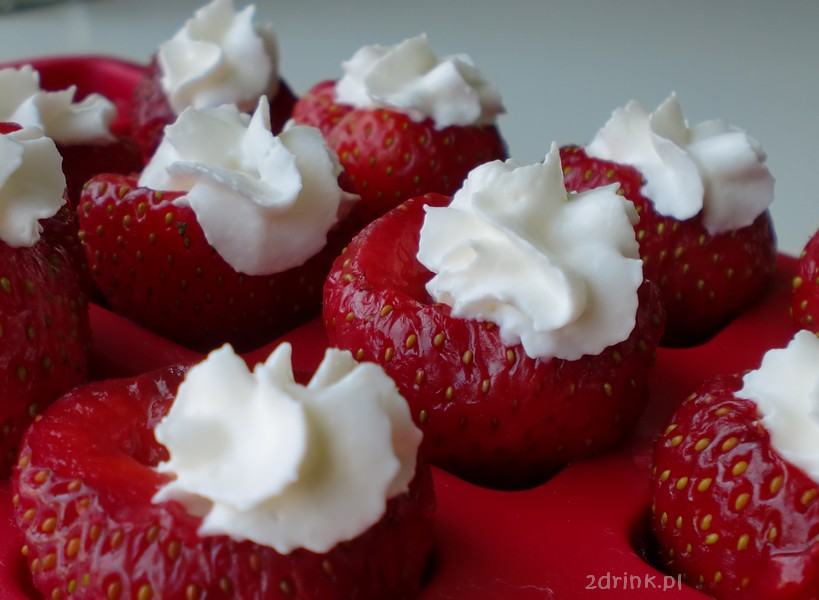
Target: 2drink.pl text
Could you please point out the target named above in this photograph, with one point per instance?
(626, 581)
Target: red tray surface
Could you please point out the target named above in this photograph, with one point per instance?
(582, 534)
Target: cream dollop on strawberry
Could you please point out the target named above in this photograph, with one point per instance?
(31, 185)
(785, 389)
(264, 202)
(55, 112)
(711, 167)
(557, 272)
(409, 77)
(332, 453)
(219, 57)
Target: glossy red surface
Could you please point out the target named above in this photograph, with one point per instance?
(582, 534)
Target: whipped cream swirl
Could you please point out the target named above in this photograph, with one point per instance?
(31, 185)
(265, 202)
(220, 57)
(62, 119)
(785, 389)
(712, 167)
(409, 77)
(557, 272)
(260, 457)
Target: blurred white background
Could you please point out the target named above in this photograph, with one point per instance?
(562, 65)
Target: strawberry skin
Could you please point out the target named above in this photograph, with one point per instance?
(730, 514)
(318, 107)
(489, 413)
(151, 112)
(388, 157)
(83, 489)
(805, 298)
(45, 332)
(44, 329)
(82, 161)
(151, 261)
(705, 280)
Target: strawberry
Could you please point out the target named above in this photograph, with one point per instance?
(151, 260)
(805, 299)
(82, 161)
(83, 499)
(405, 123)
(318, 107)
(730, 514)
(150, 111)
(489, 412)
(705, 280)
(44, 326)
(58, 108)
(388, 157)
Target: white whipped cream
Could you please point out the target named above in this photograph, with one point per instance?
(262, 458)
(409, 77)
(31, 185)
(785, 389)
(711, 167)
(265, 202)
(220, 57)
(55, 112)
(557, 272)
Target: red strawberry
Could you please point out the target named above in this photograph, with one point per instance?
(82, 161)
(150, 111)
(388, 157)
(318, 107)
(394, 145)
(488, 412)
(152, 262)
(805, 301)
(83, 490)
(62, 230)
(705, 280)
(44, 327)
(730, 514)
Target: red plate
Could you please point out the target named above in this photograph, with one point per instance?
(583, 533)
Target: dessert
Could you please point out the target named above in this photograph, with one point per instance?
(405, 123)
(703, 191)
(515, 321)
(149, 486)
(81, 127)
(478, 522)
(805, 299)
(226, 235)
(44, 326)
(220, 56)
(735, 480)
